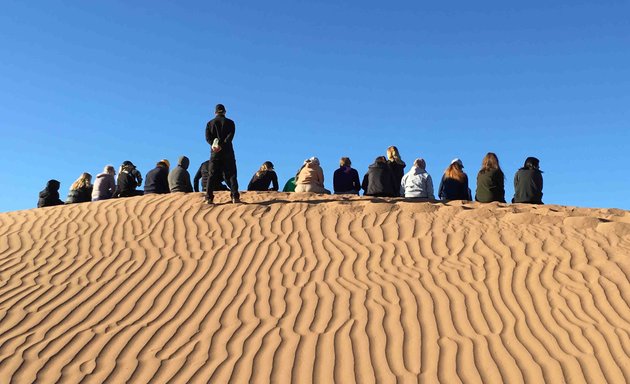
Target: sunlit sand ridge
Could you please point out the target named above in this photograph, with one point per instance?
(307, 288)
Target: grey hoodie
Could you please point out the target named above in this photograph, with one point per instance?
(417, 183)
(179, 178)
(104, 187)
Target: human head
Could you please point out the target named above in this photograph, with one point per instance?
(183, 162)
(53, 185)
(420, 163)
(454, 170)
(109, 169)
(219, 109)
(458, 161)
(127, 165)
(163, 163)
(345, 162)
(314, 160)
(490, 161)
(268, 165)
(532, 163)
(393, 154)
(380, 159)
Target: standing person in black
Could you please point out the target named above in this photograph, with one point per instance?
(528, 183)
(219, 134)
(157, 178)
(379, 180)
(397, 166)
(346, 178)
(263, 178)
(202, 175)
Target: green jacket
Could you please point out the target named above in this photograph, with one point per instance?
(490, 186)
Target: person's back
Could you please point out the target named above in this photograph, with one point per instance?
(129, 178)
(528, 183)
(311, 177)
(397, 166)
(79, 195)
(262, 181)
(263, 178)
(490, 186)
(454, 184)
(104, 185)
(179, 178)
(220, 132)
(201, 175)
(379, 180)
(156, 180)
(417, 183)
(49, 196)
(289, 186)
(346, 179)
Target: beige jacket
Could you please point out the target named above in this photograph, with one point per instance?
(311, 174)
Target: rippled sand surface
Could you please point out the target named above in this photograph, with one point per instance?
(308, 288)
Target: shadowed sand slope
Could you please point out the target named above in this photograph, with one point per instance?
(304, 288)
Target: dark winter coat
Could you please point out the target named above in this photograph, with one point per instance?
(379, 181)
(81, 195)
(346, 179)
(126, 184)
(451, 189)
(528, 185)
(156, 181)
(398, 170)
(179, 178)
(261, 182)
(490, 186)
(222, 128)
(50, 195)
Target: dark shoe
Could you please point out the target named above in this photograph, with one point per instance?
(236, 200)
(209, 200)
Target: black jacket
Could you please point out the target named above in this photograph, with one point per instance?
(179, 178)
(398, 170)
(156, 181)
(202, 174)
(528, 185)
(451, 189)
(262, 182)
(126, 184)
(81, 195)
(490, 186)
(346, 179)
(222, 128)
(379, 181)
(50, 195)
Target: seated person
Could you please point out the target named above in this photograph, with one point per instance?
(129, 178)
(49, 196)
(310, 178)
(263, 178)
(81, 190)
(179, 178)
(417, 182)
(346, 179)
(379, 180)
(157, 178)
(454, 184)
(528, 183)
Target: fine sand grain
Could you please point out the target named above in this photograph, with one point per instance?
(307, 288)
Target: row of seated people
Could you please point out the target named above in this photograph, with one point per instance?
(384, 178)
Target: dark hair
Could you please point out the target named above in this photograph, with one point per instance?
(531, 163)
(380, 159)
(345, 162)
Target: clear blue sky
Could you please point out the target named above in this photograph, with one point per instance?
(89, 83)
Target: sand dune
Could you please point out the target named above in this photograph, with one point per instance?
(307, 288)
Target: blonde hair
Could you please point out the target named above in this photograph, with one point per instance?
(266, 166)
(454, 171)
(85, 180)
(394, 155)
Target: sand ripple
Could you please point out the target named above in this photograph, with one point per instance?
(304, 288)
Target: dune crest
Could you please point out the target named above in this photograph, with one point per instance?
(308, 288)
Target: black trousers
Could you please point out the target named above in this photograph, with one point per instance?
(222, 165)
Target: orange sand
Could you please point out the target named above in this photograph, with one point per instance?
(307, 288)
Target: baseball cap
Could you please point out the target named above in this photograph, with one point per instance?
(219, 108)
(457, 160)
